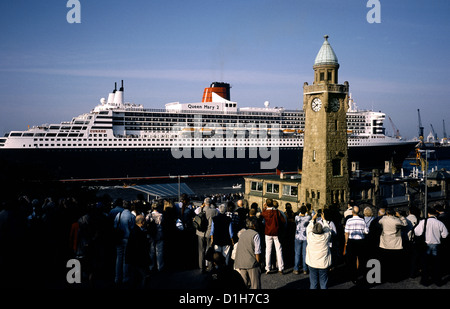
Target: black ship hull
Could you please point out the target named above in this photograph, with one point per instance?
(108, 164)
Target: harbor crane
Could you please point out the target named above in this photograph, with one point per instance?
(434, 133)
(444, 133)
(396, 131)
(420, 126)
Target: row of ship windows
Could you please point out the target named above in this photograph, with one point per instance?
(251, 115)
(144, 140)
(143, 145)
(161, 126)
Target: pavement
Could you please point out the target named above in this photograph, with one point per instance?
(190, 287)
(195, 280)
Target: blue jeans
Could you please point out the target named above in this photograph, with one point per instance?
(300, 254)
(432, 265)
(122, 272)
(318, 276)
(156, 254)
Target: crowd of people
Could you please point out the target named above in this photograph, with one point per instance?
(122, 243)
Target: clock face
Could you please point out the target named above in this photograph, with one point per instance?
(334, 105)
(316, 104)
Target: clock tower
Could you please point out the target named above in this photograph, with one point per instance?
(325, 178)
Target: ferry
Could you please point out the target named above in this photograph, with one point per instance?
(119, 140)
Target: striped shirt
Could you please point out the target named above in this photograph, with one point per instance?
(356, 228)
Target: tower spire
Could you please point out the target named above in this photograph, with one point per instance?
(326, 54)
(326, 64)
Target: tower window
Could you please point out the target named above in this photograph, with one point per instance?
(322, 75)
(337, 170)
(329, 76)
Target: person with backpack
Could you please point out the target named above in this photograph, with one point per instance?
(202, 223)
(274, 221)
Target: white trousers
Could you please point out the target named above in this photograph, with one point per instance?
(270, 240)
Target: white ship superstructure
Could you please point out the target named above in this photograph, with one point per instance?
(116, 124)
(137, 141)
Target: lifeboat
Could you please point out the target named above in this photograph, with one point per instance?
(288, 131)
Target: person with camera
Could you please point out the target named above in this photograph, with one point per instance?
(391, 246)
(300, 242)
(318, 254)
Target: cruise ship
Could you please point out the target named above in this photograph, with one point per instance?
(118, 140)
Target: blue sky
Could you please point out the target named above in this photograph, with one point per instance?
(170, 50)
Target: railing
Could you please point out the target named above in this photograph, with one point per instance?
(325, 87)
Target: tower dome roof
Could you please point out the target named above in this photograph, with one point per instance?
(326, 54)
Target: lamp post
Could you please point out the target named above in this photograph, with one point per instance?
(426, 151)
(179, 184)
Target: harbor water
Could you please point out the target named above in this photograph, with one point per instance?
(432, 165)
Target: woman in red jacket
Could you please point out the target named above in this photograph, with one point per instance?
(273, 221)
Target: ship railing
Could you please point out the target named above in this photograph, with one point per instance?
(254, 113)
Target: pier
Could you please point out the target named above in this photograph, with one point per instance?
(385, 189)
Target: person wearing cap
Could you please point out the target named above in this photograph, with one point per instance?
(318, 254)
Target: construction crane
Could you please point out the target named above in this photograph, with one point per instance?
(420, 126)
(396, 131)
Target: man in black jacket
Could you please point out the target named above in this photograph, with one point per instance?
(137, 253)
(222, 233)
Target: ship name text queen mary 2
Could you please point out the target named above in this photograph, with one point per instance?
(121, 140)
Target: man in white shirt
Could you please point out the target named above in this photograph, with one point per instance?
(355, 232)
(435, 230)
